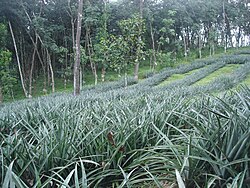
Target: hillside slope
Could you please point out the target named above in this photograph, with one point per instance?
(148, 134)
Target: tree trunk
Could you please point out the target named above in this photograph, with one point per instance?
(103, 74)
(119, 72)
(185, 46)
(73, 34)
(66, 63)
(39, 57)
(65, 82)
(22, 52)
(90, 53)
(1, 95)
(238, 37)
(47, 64)
(150, 63)
(136, 68)
(44, 72)
(153, 46)
(51, 71)
(200, 46)
(82, 75)
(78, 50)
(93, 63)
(224, 28)
(213, 52)
(18, 62)
(32, 65)
(72, 20)
(31, 73)
(80, 78)
(125, 79)
(38, 54)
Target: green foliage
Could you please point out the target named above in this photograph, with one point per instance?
(84, 57)
(103, 50)
(165, 59)
(7, 79)
(120, 50)
(92, 14)
(3, 35)
(167, 31)
(132, 32)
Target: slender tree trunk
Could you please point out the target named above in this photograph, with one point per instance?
(31, 73)
(119, 72)
(32, 66)
(153, 46)
(224, 28)
(150, 63)
(103, 74)
(65, 82)
(18, 62)
(78, 50)
(1, 95)
(39, 57)
(48, 69)
(200, 46)
(80, 78)
(44, 74)
(38, 54)
(95, 72)
(66, 63)
(185, 46)
(72, 20)
(126, 79)
(22, 51)
(238, 37)
(136, 68)
(73, 34)
(90, 53)
(106, 35)
(51, 71)
(82, 74)
(213, 51)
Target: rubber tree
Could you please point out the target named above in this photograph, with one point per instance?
(18, 61)
(78, 49)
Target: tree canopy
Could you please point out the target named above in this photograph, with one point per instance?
(114, 34)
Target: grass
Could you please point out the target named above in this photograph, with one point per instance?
(175, 77)
(222, 71)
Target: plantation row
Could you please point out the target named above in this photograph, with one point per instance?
(146, 135)
(205, 67)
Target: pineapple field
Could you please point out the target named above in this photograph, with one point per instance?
(187, 126)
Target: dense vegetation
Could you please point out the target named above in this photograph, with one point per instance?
(38, 39)
(147, 135)
(185, 124)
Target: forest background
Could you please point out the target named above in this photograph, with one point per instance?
(118, 39)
